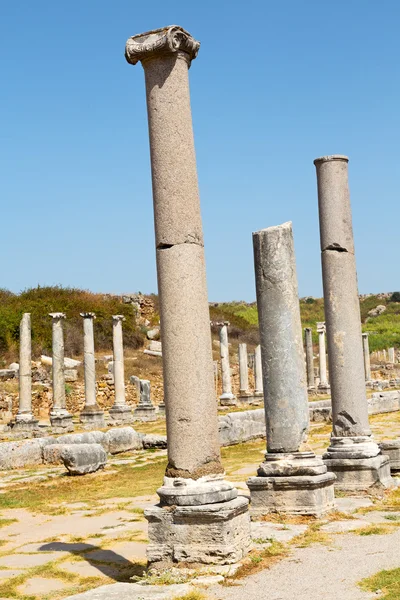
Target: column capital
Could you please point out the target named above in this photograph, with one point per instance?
(58, 315)
(88, 315)
(118, 318)
(330, 158)
(321, 327)
(161, 42)
(365, 334)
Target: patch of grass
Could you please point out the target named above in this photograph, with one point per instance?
(375, 529)
(313, 535)
(50, 570)
(125, 480)
(392, 517)
(258, 560)
(241, 455)
(194, 595)
(389, 500)
(388, 582)
(288, 519)
(5, 522)
(166, 577)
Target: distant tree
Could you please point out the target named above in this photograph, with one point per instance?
(395, 297)
(310, 300)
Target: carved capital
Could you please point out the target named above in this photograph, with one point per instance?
(161, 42)
(117, 318)
(88, 315)
(321, 328)
(57, 315)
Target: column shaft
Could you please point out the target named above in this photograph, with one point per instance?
(367, 360)
(89, 360)
(285, 391)
(118, 360)
(258, 374)
(58, 362)
(243, 370)
(25, 367)
(309, 357)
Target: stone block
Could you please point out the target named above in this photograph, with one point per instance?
(123, 440)
(209, 534)
(357, 474)
(391, 448)
(80, 459)
(155, 346)
(15, 455)
(52, 454)
(90, 437)
(239, 427)
(71, 375)
(7, 374)
(303, 495)
(151, 440)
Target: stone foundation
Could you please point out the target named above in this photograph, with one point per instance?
(120, 414)
(210, 534)
(357, 474)
(145, 413)
(392, 450)
(92, 416)
(61, 422)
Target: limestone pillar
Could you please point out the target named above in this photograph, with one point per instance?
(353, 455)
(323, 385)
(145, 410)
(292, 479)
(194, 474)
(384, 355)
(309, 358)
(91, 415)
(226, 398)
(24, 419)
(391, 355)
(258, 376)
(366, 356)
(59, 416)
(244, 392)
(120, 411)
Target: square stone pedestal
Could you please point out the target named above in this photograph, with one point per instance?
(391, 448)
(145, 412)
(228, 399)
(61, 422)
(209, 534)
(301, 495)
(360, 473)
(92, 417)
(120, 414)
(24, 425)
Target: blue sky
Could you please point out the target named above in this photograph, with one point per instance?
(275, 85)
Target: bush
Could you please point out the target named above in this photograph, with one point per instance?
(395, 297)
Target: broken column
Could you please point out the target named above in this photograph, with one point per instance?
(258, 376)
(391, 356)
(227, 398)
(323, 386)
(366, 356)
(120, 411)
(59, 416)
(291, 479)
(309, 358)
(200, 517)
(244, 392)
(24, 418)
(145, 410)
(353, 455)
(91, 414)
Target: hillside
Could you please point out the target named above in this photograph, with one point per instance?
(384, 328)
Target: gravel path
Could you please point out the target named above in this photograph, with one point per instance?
(321, 572)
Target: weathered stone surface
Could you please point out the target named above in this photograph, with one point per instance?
(227, 398)
(211, 534)
(14, 455)
(7, 374)
(360, 473)
(309, 357)
(80, 459)
(391, 448)
(134, 591)
(151, 440)
(123, 440)
(155, 346)
(152, 334)
(69, 363)
(238, 427)
(120, 411)
(71, 375)
(91, 413)
(378, 310)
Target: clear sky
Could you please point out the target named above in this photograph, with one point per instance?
(275, 85)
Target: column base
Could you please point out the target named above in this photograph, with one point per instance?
(209, 534)
(324, 389)
(161, 409)
(296, 484)
(145, 412)
(61, 421)
(120, 414)
(92, 417)
(244, 396)
(358, 474)
(227, 399)
(391, 448)
(179, 491)
(24, 422)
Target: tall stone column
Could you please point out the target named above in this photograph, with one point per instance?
(309, 358)
(59, 416)
(292, 479)
(244, 392)
(192, 531)
(226, 398)
(24, 418)
(120, 411)
(353, 455)
(323, 385)
(366, 356)
(258, 375)
(391, 355)
(91, 414)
